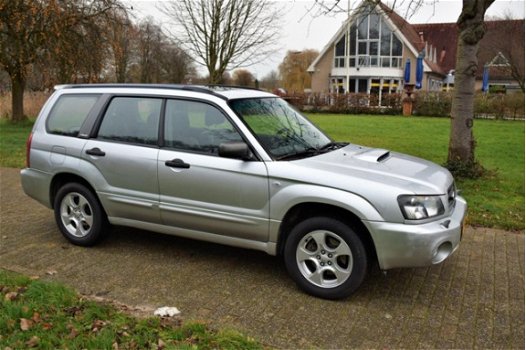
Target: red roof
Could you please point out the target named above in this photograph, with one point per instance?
(497, 39)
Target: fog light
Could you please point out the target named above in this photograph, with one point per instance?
(442, 252)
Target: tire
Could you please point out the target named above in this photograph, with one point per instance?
(325, 257)
(79, 215)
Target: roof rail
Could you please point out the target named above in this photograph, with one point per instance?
(226, 87)
(196, 88)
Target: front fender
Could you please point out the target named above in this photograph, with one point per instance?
(283, 198)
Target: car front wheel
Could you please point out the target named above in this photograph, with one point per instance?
(325, 257)
(79, 215)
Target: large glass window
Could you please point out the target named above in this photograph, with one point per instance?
(352, 40)
(131, 119)
(197, 126)
(374, 26)
(69, 113)
(339, 53)
(396, 47)
(385, 49)
(372, 44)
(363, 28)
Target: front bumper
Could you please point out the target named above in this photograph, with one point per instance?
(404, 245)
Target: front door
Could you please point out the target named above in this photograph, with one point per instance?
(200, 190)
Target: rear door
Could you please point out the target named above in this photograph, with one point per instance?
(125, 153)
(200, 190)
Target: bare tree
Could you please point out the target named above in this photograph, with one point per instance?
(120, 34)
(157, 58)
(225, 34)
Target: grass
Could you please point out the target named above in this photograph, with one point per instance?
(13, 139)
(48, 315)
(496, 200)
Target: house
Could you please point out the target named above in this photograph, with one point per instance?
(369, 52)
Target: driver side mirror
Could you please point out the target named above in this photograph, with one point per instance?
(235, 150)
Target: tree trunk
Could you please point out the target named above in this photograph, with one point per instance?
(215, 76)
(18, 84)
(461, 140)
(471, 30)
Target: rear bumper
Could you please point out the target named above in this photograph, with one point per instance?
(404, 245)
(36, 184)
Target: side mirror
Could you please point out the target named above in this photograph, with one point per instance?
(236, 150)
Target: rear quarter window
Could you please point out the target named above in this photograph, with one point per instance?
(68, 114)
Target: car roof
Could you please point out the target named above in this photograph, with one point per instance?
(224, 92)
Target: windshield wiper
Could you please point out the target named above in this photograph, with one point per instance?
(311, 151)
(331, 146)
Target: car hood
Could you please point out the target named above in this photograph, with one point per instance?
(379, 165)
(377, 175)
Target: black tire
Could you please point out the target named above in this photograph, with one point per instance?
(325, 257)
(79, 215)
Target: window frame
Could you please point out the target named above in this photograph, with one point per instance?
(80, 133)
(213, 105)
(110, 97)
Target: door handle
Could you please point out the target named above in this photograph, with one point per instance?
(177, 163)
(96, 152)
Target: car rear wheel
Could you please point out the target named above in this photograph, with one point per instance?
(325, 257)
(79, 215)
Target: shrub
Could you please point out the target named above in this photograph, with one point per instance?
(433, 104)
(499, 106)
(351, 103)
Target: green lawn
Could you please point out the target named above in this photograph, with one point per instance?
(13, 139)
(44, 315)
(496, 200)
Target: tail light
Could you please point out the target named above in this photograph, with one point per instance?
(28, 149)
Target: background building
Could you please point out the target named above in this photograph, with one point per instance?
(369, 52)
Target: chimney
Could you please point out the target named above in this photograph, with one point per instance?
(421, 34)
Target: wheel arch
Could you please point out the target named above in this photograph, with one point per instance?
(61, 179)
(306, 210)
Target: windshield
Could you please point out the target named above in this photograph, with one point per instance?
(282, 131)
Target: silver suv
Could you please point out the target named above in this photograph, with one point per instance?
(238, 167)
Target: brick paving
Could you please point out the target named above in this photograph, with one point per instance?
(475, 299)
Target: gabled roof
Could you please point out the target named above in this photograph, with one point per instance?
(440, 39)
(407, 33)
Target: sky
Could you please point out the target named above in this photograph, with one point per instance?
(301, 30)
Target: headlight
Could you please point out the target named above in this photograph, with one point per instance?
(420, 207)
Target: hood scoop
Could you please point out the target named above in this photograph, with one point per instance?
(374, 155)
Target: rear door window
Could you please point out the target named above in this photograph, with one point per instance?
(68, 114)
(132, 120)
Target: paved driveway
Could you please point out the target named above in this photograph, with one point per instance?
(474, 299)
